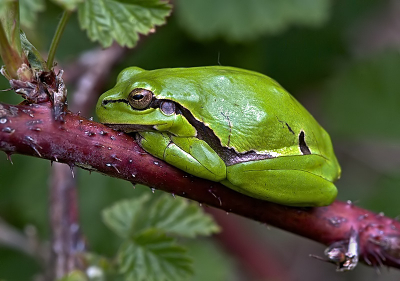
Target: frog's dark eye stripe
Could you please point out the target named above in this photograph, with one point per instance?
(105, 102)
(302, 144)
(140, 98)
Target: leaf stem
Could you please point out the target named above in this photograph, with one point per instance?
(57, 37)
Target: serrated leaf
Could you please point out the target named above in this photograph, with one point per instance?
(153, 255)
(122, 21)
(238, 20)
(69, 5)
(179, 217)
(29, 10)
(123, 215)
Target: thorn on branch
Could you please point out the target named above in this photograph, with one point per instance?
(388, 249)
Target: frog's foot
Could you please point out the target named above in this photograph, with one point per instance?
(189, 154)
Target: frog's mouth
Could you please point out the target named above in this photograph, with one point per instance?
(131, 128)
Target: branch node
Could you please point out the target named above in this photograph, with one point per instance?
(344, 254)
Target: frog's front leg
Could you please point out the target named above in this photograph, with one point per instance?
(189, 154)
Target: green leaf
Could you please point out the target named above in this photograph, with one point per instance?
(179, 217)
(33, 55)
(152, 255)
(122, 21)
(69, 5)
(172, 215)
(124, 215)
(362, 99)
(238, 20)
(148, 253)
(29, 10)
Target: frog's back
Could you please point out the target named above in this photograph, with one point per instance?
(246, 110)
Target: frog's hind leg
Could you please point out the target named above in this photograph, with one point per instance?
(189, 154)
(300, 185)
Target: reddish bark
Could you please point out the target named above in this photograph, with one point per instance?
(31, 130)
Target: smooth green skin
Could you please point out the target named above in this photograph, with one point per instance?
(247, 111)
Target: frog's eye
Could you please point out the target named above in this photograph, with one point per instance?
(140, 98)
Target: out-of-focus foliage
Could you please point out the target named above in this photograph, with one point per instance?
(75, 276)
(354, 97)
(369, 86)
(149, 251)
(29, 10)
(237, 20)
(69, 5)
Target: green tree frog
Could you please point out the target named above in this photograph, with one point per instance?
(228, 125)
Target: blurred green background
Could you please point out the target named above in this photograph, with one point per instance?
(339, 58)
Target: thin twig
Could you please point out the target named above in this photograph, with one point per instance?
(67, 240)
